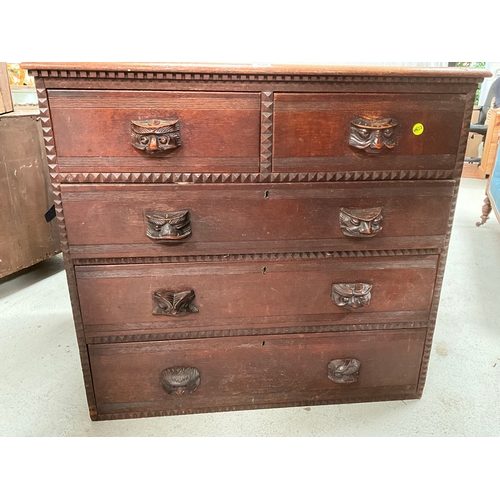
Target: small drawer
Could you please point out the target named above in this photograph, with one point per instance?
(113, 221)
(153, 131)
(357, 132)
(235, 373)
(206, 297)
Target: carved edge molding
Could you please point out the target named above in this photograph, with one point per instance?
(464, 135)
(288, 404)
(229, 77)
(266, 131)
(140, 337)
(70, 272)
(241, 178)
(435, 299)
(444, 252)
(259, 257)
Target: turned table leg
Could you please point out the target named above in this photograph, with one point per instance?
(486, 212)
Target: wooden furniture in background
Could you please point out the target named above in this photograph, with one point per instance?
(253, 236)
(6, 104)
(25, 194)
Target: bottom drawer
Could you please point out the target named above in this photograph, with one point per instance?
(186, 376)
(183, 376)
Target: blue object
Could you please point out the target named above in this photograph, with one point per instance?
(494, 184)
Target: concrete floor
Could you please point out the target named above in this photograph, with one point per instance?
(41, 386)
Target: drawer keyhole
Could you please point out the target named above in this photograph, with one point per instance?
(264, 270)
(266, 195)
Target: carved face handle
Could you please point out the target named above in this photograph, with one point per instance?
(180, 380)
(156, 135)
(168, 226)
(169, 303)
(351, 295)
(373, 135)
(344, 371)
(361, 222)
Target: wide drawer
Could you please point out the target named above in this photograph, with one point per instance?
(244, 372)
(344, 132)
(114, 220)
(208, 296)
(202, 131)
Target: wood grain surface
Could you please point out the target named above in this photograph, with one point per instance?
(108, 220)
(219, 130)
(118, 299)
(258, 68)
(25, 236)
(254, 371)
(311, 131)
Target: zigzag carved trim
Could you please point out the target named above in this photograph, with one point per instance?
(241, 178)
(437, 293)
(444, 252)
(288, 404)
(266, 131)
(232, 77)
(253, 331)
(257, 257)
(70, 272)
(464, 134)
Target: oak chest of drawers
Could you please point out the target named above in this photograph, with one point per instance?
(253, 236)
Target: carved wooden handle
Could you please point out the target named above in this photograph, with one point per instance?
(373, 135)
(156, 135)
(169, 303)
(351, 295)
(344, 371)
(180, 380)
(168, 226)
(361, 222)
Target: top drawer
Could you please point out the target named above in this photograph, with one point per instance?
(192, 131)
(344, 132)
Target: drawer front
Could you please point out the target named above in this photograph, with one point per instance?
(204, 131)
(184, 376)
(203, 297)
(119, 220)
(344, 132)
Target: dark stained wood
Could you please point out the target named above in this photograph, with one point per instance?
(254, 371)
(214, 126)
(279, 83)
(312, 131)
(266, 256)
(257, 68)
(25, 236)
(256, 294)
(275, 218)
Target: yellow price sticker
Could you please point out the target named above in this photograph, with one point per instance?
(418, 128)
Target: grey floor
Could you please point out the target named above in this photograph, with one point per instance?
(41, 386)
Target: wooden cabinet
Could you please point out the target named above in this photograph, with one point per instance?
(243, 237)
(25, 194)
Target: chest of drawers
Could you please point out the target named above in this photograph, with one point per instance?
(249, 236)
